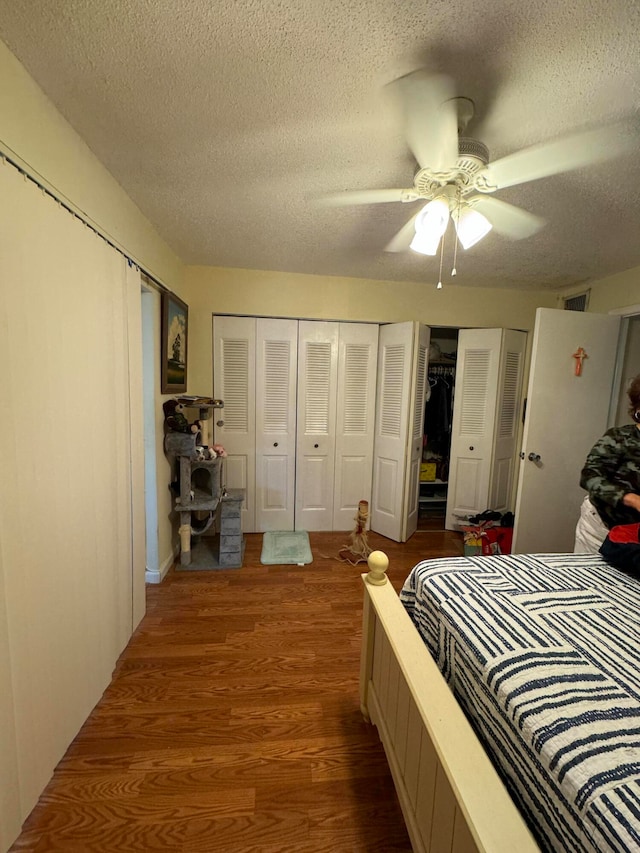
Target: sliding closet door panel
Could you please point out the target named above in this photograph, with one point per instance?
(234, 356)
(276, 362)
(11, 816)
(136, 439)
(66, 488)
(315, 450)
(355, 420)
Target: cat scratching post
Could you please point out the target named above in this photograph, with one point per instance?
(358, 550)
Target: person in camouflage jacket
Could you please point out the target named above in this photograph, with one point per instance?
(611, 477)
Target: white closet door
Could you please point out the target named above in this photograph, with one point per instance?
(392, 448)
(276, 362)
(474, 413)
(234, 356)
(509, 408)
(357, 359)
(416, 427)
(315, 450)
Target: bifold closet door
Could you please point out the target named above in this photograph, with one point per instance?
(336, 417)
(234, 381)
(298, 418)
(402, 371)
(276, 372)
(487, 405)
(355, 420)
(316, 439)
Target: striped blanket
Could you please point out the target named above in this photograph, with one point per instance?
(543, 654)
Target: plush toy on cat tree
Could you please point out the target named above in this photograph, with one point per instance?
(175, 420)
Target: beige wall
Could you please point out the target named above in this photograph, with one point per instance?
(210, 290)
(33, 133)
(35, 136)
(617, 291)
(608, 294)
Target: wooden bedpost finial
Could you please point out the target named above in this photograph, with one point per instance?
(378, 563)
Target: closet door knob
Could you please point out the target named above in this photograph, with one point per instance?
(316, 446)
(275, 443)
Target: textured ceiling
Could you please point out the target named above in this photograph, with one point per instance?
(225, 121)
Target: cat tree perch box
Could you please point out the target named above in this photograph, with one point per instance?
(180, 444)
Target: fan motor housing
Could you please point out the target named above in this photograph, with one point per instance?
(473, 155)
(472, 149)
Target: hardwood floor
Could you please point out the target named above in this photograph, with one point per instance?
(232, 722)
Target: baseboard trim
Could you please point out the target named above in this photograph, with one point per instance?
(158, 575)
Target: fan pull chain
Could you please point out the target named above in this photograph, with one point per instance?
(454, 271)
(439, 284)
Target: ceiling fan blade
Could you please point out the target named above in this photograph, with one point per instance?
(402, 240)
(431, 118)
(507, 219)
(562, 155)
(367, 197)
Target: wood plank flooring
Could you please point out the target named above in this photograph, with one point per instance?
(232, 722)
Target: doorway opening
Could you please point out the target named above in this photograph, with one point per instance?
(628, 361)
(438, 418)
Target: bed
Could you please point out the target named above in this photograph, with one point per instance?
(504, 680)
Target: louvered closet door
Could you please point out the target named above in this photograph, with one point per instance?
(234, 355)
(416, 427)
(276, 362)
(474, 414)
(504, 464)
(393, 442)
(355, 420)
(315, 449)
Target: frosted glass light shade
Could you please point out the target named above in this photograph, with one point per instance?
(471, 227)
(424, 243)
(431, 223)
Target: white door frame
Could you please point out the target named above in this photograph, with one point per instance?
(626, 314)
(149, 359)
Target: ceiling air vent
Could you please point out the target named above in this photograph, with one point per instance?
(577, 302)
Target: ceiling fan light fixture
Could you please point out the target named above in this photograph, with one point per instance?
(471, 227)
(431, 223)
(425, 243)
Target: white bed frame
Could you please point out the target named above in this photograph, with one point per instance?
(452, 797)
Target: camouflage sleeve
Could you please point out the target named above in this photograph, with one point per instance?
(601, 465)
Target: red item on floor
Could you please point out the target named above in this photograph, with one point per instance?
(502, 536)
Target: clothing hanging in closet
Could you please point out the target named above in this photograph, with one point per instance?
(438, 410)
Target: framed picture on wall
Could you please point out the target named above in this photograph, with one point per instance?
(175, 330)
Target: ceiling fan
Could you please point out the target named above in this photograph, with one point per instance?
(454, 173)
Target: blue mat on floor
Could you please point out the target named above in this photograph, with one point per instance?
(285, 547)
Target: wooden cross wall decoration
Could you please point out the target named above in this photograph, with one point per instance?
(579, 356)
